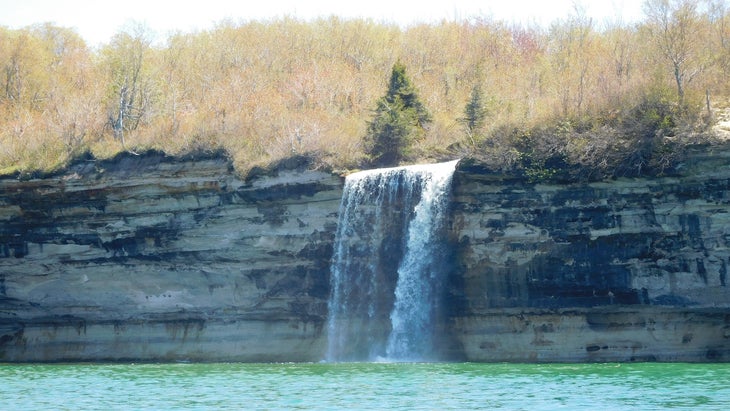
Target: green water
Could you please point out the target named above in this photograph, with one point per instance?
(365, 386)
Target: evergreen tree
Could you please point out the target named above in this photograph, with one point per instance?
(475, 113)
(399, 119)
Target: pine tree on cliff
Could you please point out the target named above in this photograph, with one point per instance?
(475, 113)
(398, 121)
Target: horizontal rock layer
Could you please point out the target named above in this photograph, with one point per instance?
(606, 334)
(559, 255)
(149, 258)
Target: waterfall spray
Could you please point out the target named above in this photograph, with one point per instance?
(388, 264)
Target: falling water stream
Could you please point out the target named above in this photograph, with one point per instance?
(389, 264)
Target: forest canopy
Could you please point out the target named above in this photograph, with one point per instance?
(615, 98)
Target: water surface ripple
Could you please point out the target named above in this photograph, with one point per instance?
(365, 386)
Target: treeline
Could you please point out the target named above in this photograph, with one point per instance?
(541, 98)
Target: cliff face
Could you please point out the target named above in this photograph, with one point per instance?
(633, 269)
(159, 259)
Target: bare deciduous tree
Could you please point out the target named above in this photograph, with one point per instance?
(131, 84)
(675, 26)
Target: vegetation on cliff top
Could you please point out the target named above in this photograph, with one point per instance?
(399, 120)
(579, 98)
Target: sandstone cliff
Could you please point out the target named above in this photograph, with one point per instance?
(153, 258)
(160, 259)
(630, 269)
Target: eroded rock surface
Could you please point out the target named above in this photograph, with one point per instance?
(152, 258)
(149, 258)
(618, 270)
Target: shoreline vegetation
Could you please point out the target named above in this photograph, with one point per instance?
(577, 100)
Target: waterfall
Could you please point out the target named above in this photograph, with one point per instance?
(389, 263)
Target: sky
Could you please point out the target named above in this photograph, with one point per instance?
(98, 20)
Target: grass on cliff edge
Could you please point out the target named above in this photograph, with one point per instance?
(649, 139)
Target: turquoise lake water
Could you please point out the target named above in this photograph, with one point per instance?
(459, 386)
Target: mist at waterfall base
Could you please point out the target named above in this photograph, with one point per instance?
(389, 265)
